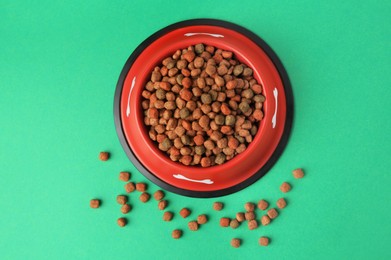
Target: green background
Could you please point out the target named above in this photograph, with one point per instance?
(59, 64)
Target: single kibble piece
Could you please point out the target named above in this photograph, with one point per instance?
(249, 206)
(141, 186)
(158, 195)
(104, 156)
(234, 223)
(264, 241)
(298, 173)
(265, 220)
(122, 199)
(144, 197)
(130, 187)
(193, 225)
(94, 203)
(185, 212)
(240, 216)
(167, 216)
(176, 234)
(252, 224)
(272, 213)
(162, 204)
(224, 222)
(285, 187)
(125, 208)
(249, 215)
(218, 206)
(124, 176)
(235, 242)
(281, 203)
(263, 204)
(202, 219)
(121, 222)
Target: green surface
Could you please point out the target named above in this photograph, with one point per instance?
(59, 63)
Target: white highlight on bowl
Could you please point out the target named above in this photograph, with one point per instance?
(130, 91)
(180, 176)
(275, 93)
(210, 34)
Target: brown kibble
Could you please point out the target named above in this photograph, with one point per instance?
(249, 206)
(225, 109)
(285, 187)
(193, 225)
(198, 139)
(252, 224)
(124, 176)
(94, 203)
(235, 242)
(240, 216)
(122, 199)
(231, 84)
(224, 222)
(185, 212)
(141, 186)
(176, 234)
(298, 173)
(202, 219)
(125, 208)
(257, 88)
(258, 114)
(189, 56)
(144, 197)
(249, 215)
(234, 223)
(205, 162)
(167, 216)
(263, 204)
(210, 69)
(162, 204)
(130, 187)
(281, 203)
(218, 206)
(264, 241)
(158, 195)
(104, 156)
(121, 222)
(272, 213)
(186, 82)
(265, 220)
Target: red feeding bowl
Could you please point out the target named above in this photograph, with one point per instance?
(243, 169)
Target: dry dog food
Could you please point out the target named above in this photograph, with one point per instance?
(249, 206)
(265, 220)
(218, 206)
(185, 212)
(158, 195)
(252, 224)
(202, 219)
(167, 216)
(94, 203)
(125, 208)
(240, 216)
(281, 203)
(121, 222)
(130, 187)
(144, 197)
(272, 213)
(162, 204)
(298, 173)
(234, 223)
(285, 187)
(202, 106)
(104, 156)
(263, 204)
(122, 199)
(176, 234)
(235, 242)
(124, 176)
(249, 215)
(193, 225)
(264, 241)
(141, 186)
(224, 222)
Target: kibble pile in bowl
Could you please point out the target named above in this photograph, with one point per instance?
(202, 106)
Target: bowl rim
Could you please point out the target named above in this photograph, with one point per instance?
(288, 120)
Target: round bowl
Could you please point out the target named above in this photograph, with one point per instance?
(243, 169)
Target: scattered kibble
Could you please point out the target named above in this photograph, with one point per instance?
(193, 225)
(249, 215)
(185, 212)
(104, 156)
(281, 203)
(162, 204)
(167, 216)
(176, 234)
(130, 187)
(272, 213)
(158, 195)
(252, 224)
(218, 206)
(125, 208)
(235, 242)
(124, 176)
(240, 216)
(298, 173)
(94, 203)
(144, 197)
(264, 241)
(249, 206)
(224, 222)
(122, 199)
(234, 223)
(263, 204)
(122, 222)
(141, 186)
(285, 187)
(202, 219)
(265, 220)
